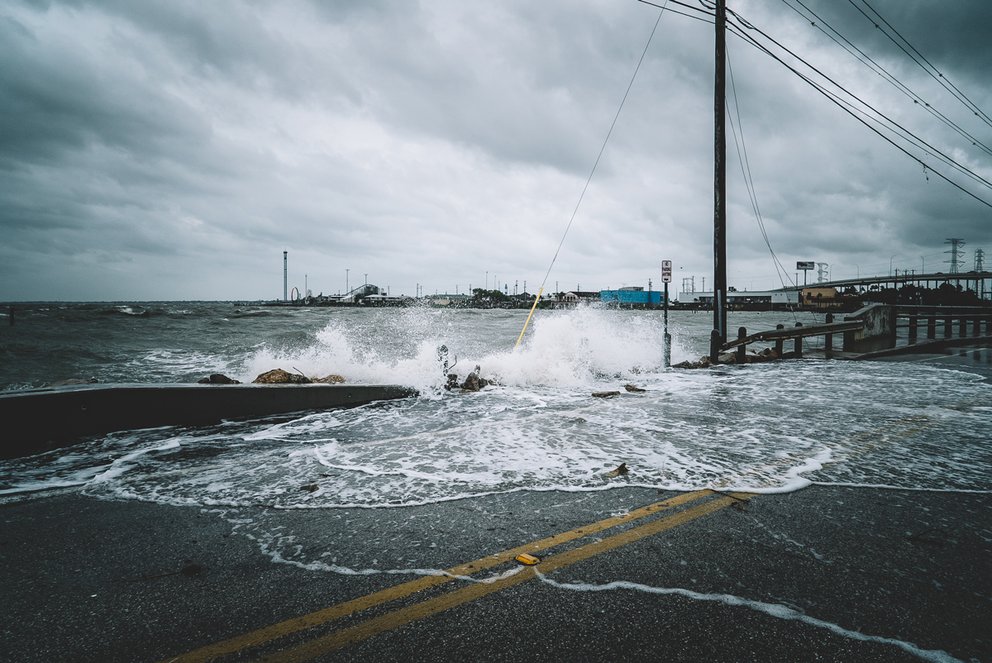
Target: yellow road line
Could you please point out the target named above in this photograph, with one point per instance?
(281, 629)
(392, 620)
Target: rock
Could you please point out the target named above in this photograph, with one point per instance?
(727, 358)
(621, 470)
(704, 362)
(217, 378)
(279, 376)
(634, 389)
(452, 381)
(310, 487)
(333, 378)
(473, 382)
(605, 394)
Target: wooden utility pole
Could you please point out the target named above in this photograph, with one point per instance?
(719, 334)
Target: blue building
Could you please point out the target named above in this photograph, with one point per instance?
(634, 296)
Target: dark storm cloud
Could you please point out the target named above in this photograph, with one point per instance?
(175, 149)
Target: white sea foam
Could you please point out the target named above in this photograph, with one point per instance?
(775, 610)
(764, 428)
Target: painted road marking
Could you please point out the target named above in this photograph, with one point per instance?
(392, 620)
(281, 629)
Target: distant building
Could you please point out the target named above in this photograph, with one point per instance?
(576, 296)
(745, 299)
(631, 296)
(822, 297)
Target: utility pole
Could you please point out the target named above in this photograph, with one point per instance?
(719, 334)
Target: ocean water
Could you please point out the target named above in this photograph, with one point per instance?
(772, 427)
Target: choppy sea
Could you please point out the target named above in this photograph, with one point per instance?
(768, 427)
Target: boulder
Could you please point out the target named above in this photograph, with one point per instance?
(704, 362)
(605, 394)
(217, 378)
(333, 378)
(279, 376)
(473, 382)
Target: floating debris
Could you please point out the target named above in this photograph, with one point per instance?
(634, 389)
(527, 559)
(621, 470)
(605, 394)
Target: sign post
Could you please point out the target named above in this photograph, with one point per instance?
(666, 278)
(804, 266)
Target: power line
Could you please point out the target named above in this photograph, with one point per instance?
(744, 25)
(932, 70)
(819, 23)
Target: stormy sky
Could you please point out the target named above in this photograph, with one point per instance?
(174, 150)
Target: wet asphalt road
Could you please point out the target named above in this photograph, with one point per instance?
(822, 574)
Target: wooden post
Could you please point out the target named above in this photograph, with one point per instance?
(799, 343)
(947, 326)
(828, 339)
(913, 322)
(741, 349)
(779, 343)
(932, 327)
(976, 326)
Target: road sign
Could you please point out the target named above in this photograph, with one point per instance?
(666, 271)
(805, 265)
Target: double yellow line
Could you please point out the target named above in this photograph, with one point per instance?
(396, 618)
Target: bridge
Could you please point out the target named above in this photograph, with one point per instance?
(978, 282)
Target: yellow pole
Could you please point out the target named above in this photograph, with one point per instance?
(536, 300)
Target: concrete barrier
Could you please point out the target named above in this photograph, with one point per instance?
(37, 420)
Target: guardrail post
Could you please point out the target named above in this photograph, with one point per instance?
(932, 327)
(799, 343)
(741, 349)
(779, 343)
(913, 324)
(828, 339)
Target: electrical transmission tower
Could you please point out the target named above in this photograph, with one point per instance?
(821, 272)
(979, 255)
(956, 243)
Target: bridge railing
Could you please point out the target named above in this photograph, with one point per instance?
(874, 330)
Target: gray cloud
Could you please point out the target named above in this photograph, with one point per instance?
(174, 150)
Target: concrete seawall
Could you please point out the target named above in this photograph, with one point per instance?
(41, 419)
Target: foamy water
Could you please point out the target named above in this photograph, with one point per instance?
(765, 428)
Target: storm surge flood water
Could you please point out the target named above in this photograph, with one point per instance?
(771, 427)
